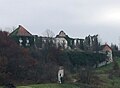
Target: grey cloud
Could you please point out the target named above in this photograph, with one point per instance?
(77, 17)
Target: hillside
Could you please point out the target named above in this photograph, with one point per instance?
(102, 73)
(25, 66)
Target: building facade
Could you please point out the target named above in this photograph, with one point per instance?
(22, 37)
(106, 49)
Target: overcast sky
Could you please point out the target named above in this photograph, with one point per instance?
(78, 18)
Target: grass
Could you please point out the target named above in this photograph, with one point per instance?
(105, 69)
(51, 86)
(103, 73)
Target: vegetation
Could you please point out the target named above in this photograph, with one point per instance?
(14, 60)
(32, 65)
(51, 86)
(109, 75)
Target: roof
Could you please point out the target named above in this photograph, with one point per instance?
(103, 46)
(20, 31)
(61, 34)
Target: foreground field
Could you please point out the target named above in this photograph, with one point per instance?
(51, 86)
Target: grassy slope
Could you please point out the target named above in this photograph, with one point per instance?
(103, 73)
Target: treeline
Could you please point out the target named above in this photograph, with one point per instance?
(15, 61)
(31, 65)
(78, 58)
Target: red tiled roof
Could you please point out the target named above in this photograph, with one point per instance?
(20, 31)
(103, 46)
(23, 32)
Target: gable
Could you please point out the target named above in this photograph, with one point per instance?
(20, 31)
(62, 34)
(107, 48)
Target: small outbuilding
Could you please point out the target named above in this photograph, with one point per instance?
(106, 49)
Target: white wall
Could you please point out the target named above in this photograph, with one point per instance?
(61, 41)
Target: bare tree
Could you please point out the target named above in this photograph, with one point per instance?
(48, 33)
(9, 29)
(48, 40)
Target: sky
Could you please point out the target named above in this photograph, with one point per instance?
(78, 18)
